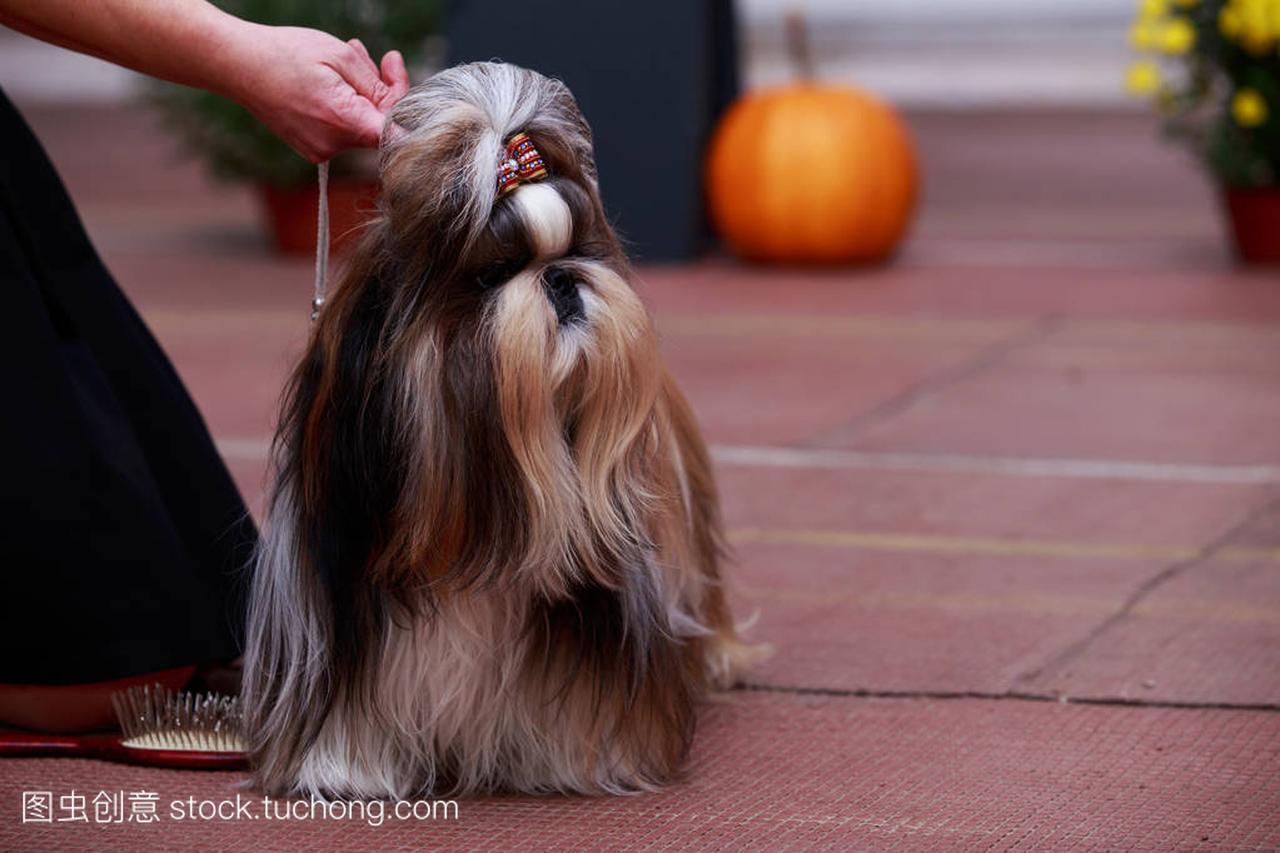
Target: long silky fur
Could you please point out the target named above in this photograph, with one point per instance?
(491, 557)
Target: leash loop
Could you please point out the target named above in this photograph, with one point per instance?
(322, 242)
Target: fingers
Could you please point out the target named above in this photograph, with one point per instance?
(359, 45)
(357, 68)
(324, 96)
(358, 100)
(380, 86)
(396, 76)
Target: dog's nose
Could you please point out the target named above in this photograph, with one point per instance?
(562, 290)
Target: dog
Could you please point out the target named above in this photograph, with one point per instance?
(491, 558)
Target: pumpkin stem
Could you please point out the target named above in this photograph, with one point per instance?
(798, 43)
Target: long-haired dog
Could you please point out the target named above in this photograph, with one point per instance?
(491, 555)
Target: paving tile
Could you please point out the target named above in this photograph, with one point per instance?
(1131, 347)
(777, 772)
(251, 478)
(1210, 634)
(1161, 416)
(783, 389)
(1262, 530)
(1043, 162)
(1160, 515)
(847, 619)
(226, 286)
(977, 292)
(235, 374)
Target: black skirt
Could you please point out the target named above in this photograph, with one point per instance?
(123, 540)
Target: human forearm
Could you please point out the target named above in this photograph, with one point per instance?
(184, 41)
(318, 93)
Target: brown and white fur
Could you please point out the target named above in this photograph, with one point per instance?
(491, 559)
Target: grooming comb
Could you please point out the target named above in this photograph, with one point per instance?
(158, 728)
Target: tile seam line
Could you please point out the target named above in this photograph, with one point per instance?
(1007, 696)
(984, 360)
(990, 546)
(749, 456)
(1084, 468)
(1221, 543)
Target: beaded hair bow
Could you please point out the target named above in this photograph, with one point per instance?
(521, 163)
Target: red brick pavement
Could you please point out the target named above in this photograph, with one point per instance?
(778, 771)
(1034, 459)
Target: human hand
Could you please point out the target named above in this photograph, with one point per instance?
(317, 93)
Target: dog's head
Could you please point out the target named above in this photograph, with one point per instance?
(483, 391)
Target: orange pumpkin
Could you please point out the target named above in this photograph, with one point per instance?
(811, 173)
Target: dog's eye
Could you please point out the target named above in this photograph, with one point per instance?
(499, 272)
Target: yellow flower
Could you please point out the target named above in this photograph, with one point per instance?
(1142, 78)
(1259, 23)
(1229, 21)
(1248, 108)
(1142, 35)
(1254, 24)
(1152, 8)
(1177, 36)
(1185, 4)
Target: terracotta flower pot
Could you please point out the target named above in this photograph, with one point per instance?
(291, 213)
(1255, 222)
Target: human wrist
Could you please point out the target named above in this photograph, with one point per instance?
(232, 62)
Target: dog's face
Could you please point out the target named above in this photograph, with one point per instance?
(491, 342)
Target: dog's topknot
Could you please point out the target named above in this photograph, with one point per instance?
(446, 137)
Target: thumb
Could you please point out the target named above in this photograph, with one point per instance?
(364, 122)
(396, 76)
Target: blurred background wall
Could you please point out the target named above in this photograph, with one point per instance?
(952, 53)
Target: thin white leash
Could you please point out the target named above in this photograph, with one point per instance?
(322, 243)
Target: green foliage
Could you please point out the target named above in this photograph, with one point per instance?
(236, 145)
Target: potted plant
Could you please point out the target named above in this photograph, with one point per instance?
(237, 147)
(1213, 69)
